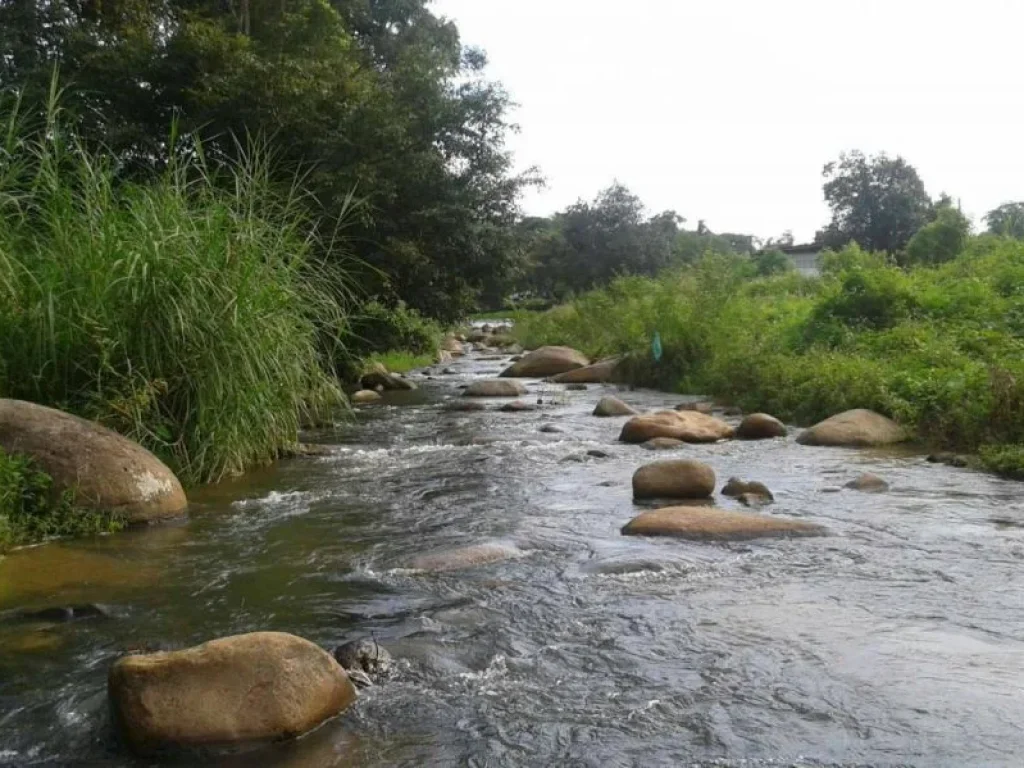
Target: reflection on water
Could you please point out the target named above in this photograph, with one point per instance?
(895, 640)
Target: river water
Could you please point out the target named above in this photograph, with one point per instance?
(896, 640)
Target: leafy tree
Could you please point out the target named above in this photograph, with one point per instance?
(940, 240)
(376, 96)
(877, 202)
(1007, 220)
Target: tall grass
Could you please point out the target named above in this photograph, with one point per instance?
(188, 313)
(941, 349)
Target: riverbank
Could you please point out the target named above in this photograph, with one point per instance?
(938, 349)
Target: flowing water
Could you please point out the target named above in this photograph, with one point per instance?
(896, 640)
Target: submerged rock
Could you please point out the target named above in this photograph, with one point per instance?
(495, 388)
(364, 660)
(598, 373)
(662, 444)
(760, 426)
(518, 406)
(247, 688)
(688, 426)
(710, 524)
(576, 388)
(107, 472)
(546, 361)
(950, 459)
(62, 613)
(552, 429)
(859, 428)
(868, 483)
(612, 406)
(464, 557)
(364, 396)
(674, 479)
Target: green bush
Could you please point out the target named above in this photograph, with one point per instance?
(189, 313)
(377, 330)
(30, 511)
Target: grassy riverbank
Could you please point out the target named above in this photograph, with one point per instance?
(938, 348)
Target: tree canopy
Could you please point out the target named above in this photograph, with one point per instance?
(1007, 220)
(877, 202)
(378, 97)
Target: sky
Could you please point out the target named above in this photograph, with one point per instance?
(727, 110)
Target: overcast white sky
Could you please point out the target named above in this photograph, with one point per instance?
(726, 110)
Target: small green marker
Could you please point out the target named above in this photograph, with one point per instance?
(656, 347)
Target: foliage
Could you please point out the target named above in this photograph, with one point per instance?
(771, 262)
(876, 202)
(940, 240)
(30, 511)
(589, 244)
(189, 314)
(378, 97)
(1006, 220)
(939, 348)
(378, 328)
(400, 361)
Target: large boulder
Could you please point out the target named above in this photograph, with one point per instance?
(688, 426)
(546, 361)
(453, 346)
(378, 377)
(710, 524)
(859, 428)
(738, 488)
(599, 372)
(364, 396)
(257, 687)
(868, 483)
(612, 406)
(106, 471)
(495, 388)
(674, 479)
(760, 426)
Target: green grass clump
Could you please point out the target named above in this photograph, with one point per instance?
(188, 312)
(939, 348)
(30, 511)
(400, 361)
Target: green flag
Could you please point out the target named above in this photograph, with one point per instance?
(656, 347)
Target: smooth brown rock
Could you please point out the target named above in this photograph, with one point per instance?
(688, 426)
(859, 428)
(495, 388)
(710, 524)
(701, 406)
(364, 396)
(868, 483)
(612, 406)
(736, 487)
(257, 687)
(546, 361)
(662, 444)
(599, 372)
(464, 557)
(674, 479)
(106, 471)
(452, 346)
(760, 426)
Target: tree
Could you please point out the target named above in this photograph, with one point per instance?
(1006, 220)
(877, 202)
(376, 96)
(940, 240)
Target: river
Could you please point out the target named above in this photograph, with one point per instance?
(896, 640)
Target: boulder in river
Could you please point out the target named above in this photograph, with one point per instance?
(575, 387)
(546, 361)
(688, 426)
(453, 346)
(710, 524)
(495, 388)
(868, 483)
(461, 558)
(365, 660)
(736, 487)
(598, 373)
(674, 479)
(612, 406)
(364, 396)
(859, 428)
(760, 426)
(243, 689)
(378, 377)
(662, 444)
(552, 429)
(107, 472)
